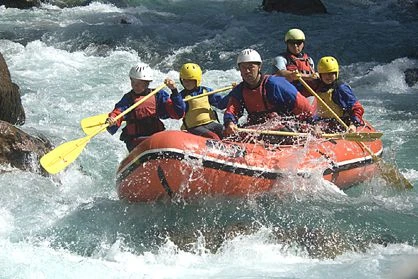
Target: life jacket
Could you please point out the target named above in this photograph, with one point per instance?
(256, 103)
(300, 64)
(322, 111)
(199, 113)
(143, 120)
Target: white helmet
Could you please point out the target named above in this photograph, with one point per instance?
(142, 72)
(248, 55)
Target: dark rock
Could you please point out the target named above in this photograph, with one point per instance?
(17, 148)
(408, 3)
(21, 150)
(70, 3)
(317, 242)
(20, 4)
(411, 76)
(300, 7)
(124, 21)
(11, 109)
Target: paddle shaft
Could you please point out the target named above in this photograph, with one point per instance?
(189, 98)
(347, 136)
(390, 173)
(149, 95)
(128, 110)
(64, 154)
(274, 133)
(100, 119)
(93, 121)
(322, 102)
(334, 114)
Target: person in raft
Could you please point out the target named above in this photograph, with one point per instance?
(294, 60)
(144, 120)
(337, 95)
(199, 119)
(262, 96)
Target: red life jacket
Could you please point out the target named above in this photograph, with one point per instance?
(143, 120)
(256, 103)
(298, 63)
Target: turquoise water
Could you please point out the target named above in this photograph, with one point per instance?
(72, 63)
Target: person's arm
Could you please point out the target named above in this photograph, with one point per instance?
(219, 101)
(302, 108)
(287, 98)
(344, 97)
(280, 69)
(314, 75)
(231, 116)
(313, 83)
(234, 109)
(120, 107)
(357, 114)
(172, 106)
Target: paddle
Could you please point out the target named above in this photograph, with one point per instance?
(90, 124)
(63, 155)
(389, 172)
(358, 136)
(189, 98)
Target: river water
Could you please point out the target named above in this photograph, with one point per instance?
(71, 63)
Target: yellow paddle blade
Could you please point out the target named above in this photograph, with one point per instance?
(389, 172)
(63, 155)
(392, 175)
(92, 123)
(359, 136)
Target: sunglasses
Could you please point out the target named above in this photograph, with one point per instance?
(298, 43)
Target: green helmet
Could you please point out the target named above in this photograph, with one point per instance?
(328, 64)
(294, 35)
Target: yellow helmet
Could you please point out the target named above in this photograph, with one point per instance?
(328, 64)
(294, 35)
(191, 71)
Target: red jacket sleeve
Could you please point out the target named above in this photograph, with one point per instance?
(303, 107)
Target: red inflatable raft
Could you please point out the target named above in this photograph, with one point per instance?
(180, 164)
